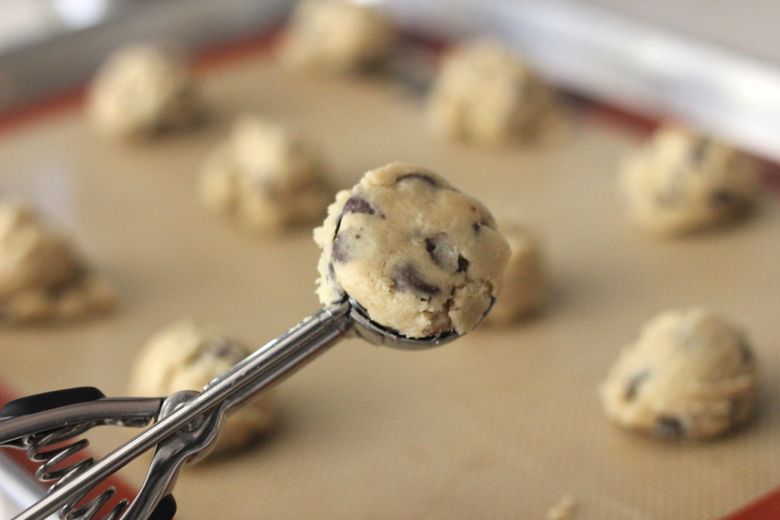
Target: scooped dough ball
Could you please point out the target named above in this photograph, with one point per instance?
(682, 182)
(524, 284)
(141, 92)
(485, 94)
(265, 178)
(185, 356)
(419, 256)
(336, 35)
(690, 374)
(42, 277)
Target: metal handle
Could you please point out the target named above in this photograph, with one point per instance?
(116, 410)
(265, 366)
(171, 456)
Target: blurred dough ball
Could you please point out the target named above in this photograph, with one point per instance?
(42, 276)
(682, 182)
(524, 286)
(186, 356)
(485, 94)
(141, 92)
(265, 178)
(336, 35)
(690, 374)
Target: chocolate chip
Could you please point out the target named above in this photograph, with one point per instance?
(669, 427)
(224, 349)
(340, 249)
(58, 289)
(699, 150)
(463, 264)
(344, 245)
(420, 177)
(632, 388)
(406, 278)
(357, 204)
(724, 198)
(444, 254)
(746, 353)
(736, 410)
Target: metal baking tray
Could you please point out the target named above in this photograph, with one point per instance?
(501, 424)
(676, 65)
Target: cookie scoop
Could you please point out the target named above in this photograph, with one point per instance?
(419, 265)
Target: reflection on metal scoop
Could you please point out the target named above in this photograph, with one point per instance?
(186, 423)
(378, 334)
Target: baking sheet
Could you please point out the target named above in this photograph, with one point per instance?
(500, 424)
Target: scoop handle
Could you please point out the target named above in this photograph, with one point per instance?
(265, 366)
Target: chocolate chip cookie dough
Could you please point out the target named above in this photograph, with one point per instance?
(142, 92)
(485, 94)
(682, 182)
(690, 374)
(265, 178)
(524, 286)
(421, 257)
(185, 356)
(336, 35)
(42, 277)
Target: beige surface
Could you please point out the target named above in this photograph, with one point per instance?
(498, 425)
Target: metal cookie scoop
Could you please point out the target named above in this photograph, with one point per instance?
(185, 423)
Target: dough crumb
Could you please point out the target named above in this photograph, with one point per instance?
(690, 374)
(524, 286)
(265, 178)
(682, 182)
(141, 92)
(485, 94)
(565, 509)
(337, 36)
(421, 257)
(42, 276)
(187, 356)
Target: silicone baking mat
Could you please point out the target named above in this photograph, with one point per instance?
(500, 424)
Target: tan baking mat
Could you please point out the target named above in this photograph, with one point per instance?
(499, 425)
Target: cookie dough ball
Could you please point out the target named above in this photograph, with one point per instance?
(141, 92)
(185, 356)
(421, 257)
(42, 277)
(690, 374)
(336, 35)
(265, 178)
(485, 94)
(524, 285)
(682, 182)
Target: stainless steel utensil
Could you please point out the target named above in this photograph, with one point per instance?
(185, 423)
